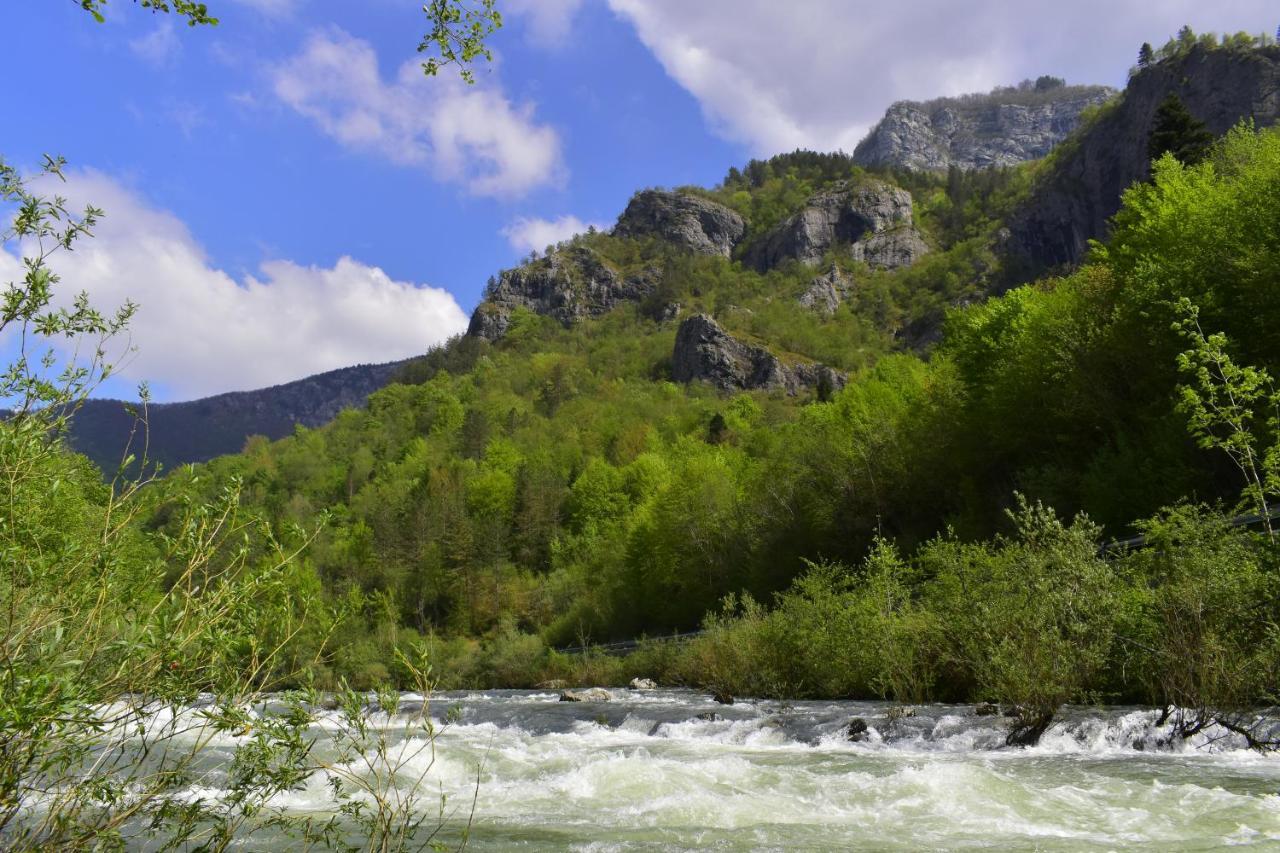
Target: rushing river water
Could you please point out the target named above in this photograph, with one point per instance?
(644, 772)
(672, 770)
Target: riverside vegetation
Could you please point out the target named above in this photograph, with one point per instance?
(891, 538)
(554, 487)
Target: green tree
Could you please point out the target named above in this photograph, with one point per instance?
(1146, 55)
(1176, 131)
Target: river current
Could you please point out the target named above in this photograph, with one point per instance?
(673, 770)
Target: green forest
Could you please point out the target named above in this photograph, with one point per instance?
(556, 489)
(933, 531)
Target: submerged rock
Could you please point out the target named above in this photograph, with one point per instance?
(709, 717)
(705, 351)
(591, 694)
(643, 684)
(723, 697)
(856, 731)
(1027, 729)
(694, 223)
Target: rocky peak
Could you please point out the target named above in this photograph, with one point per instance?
(569, 284)
(706, 352)
(685, 220)
(1006, 127)
(1072, 204)
(869, 217)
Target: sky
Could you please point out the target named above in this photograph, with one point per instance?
(287, 193)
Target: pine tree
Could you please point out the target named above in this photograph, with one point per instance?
(1178, 132)
(1146, 55)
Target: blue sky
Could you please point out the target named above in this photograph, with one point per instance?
(285, 194)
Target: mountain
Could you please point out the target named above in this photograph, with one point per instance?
(1081, 188)
(199, 430)
(1008, 126)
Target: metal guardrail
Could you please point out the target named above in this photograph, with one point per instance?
(1133, 542)
(629, 645)
(1128, 544)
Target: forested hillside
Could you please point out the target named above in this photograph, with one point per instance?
(638, 426)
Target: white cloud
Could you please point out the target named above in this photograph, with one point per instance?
(160, 47)
(470, 134)
(200, 331)
(778, 76)
(529, 233)
(549, 21)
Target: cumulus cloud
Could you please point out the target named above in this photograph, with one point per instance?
(470, 134)
(778, 76)
(549, 21)
(530, 233)
(200, 330)
(160, 47)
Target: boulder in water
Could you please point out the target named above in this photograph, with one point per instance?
(591, 694)
(709, 717)
(856, 731)
(1028, 728)
(643, 684)
(723, 697)
(900, 712)
(986, 709)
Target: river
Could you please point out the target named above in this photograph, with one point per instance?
(644, 772)
(673, 770)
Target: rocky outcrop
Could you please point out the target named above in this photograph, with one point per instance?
(685, 220)
(643, 684)
(1003, 128)
(706, 352)
(826, 292)
(870, 218)
(570, 285)
(590, 694)
(1072, 204)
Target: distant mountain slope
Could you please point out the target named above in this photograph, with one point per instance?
(199, 430)
(1003, 128)
(1081, 189)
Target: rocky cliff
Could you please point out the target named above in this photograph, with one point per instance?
(706, 352)
(1003, 128)
(870, 219)
(570, 285)
(199, 430)
(683, 220)
(1073, 201)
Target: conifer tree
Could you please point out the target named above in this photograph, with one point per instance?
(1178, 132)
(1146, 55)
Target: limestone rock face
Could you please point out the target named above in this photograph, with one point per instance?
(570, 285)
(976, 131)
(1073, 204)
(694, 223)
(706, 352)
(870, 217)
(826, 292)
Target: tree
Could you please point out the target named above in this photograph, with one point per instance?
(458, 31)
(1146, 55)
(1176, 131)
(195, 13)
(1048, 82)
